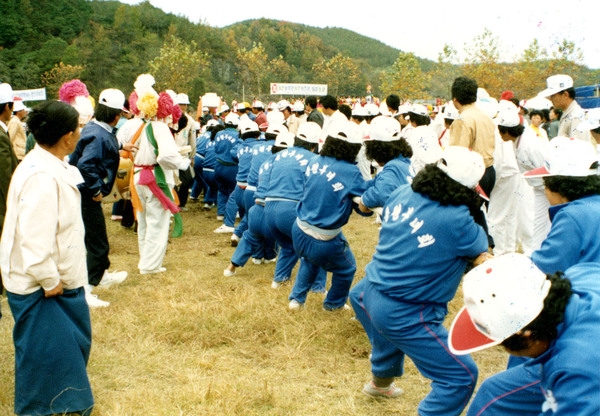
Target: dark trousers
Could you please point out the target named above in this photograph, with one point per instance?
(96, 239)
(487, 183)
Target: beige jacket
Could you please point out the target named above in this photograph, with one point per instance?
(43, 235)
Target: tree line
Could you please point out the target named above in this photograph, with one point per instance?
(107, 44)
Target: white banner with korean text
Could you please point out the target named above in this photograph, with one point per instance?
(298, 89)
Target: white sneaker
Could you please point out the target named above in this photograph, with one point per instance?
(92, 300)
(224, 229)
(220, 217)
(159, 270)
(294, 305)
(277, 285)
(267, 261)
(228, 273)
(234, 240)
(110, 278)
(257, 261)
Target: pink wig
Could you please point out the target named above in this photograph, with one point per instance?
(165, 105)
(133, 98)
(71, 89)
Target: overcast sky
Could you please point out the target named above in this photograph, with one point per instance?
(422, 31)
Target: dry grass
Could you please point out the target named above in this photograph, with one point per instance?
(192, 342)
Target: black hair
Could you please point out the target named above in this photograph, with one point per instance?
(299, 142)
(106, 114)
(571, 93)
(433, 183)
(329, 101)
(536, 112)
(515, 131)
(383, 152)
(557, 111)
(544, 327)
(393, 102)
(311, 100)
(340, 149)
(51, 120)
(574, 187)
(181, 124)
(270, 136)
(3, 106)
(596, 130)
(250, 135)
(214, 130)
(449, 121)
(360, 119)
(276, 149)
(346, 110)
(419, 119)
(545, 114)
(464, 90)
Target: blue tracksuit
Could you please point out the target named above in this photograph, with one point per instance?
(244, 153)
(396, 172)
(257, 234)
(416, 269)
(573, 237)
(286, 188)
(564, 379)
(199, 181)
(226, 171)
(208, 172)
(325, 207)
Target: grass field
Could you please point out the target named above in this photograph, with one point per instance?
(192, 342)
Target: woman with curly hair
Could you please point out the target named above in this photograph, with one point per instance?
(392, 153)
(427, 237)
(331, 181)
(572, 187)
(551, 319)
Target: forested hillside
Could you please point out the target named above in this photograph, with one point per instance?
(107, 44)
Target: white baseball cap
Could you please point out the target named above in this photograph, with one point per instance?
(283, 104)
(371, 109)
(18, 104)
(567, 157)
(298, 106)
(232, 118)
(359, 111)
(182, 98)
(258, 104)
(272, 105)
(384, 110)
(463, 165)
(502, 296)
(346, 131)
(309, 132)
(275, 117)
(6, 93)
(591, 122)
(113, 98)
(276, 128)
(248, 126)
(419, 109)
(224, 107)
(285, 139)
(556, 83)
(450, 111)
(212, 122)
(384, 129)
(508, 114)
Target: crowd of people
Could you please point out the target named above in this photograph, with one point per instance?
(501, 190)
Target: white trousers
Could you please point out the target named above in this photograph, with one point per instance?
(153, 230)
(510, 215)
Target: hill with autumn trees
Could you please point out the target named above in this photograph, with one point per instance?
(107, 44)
